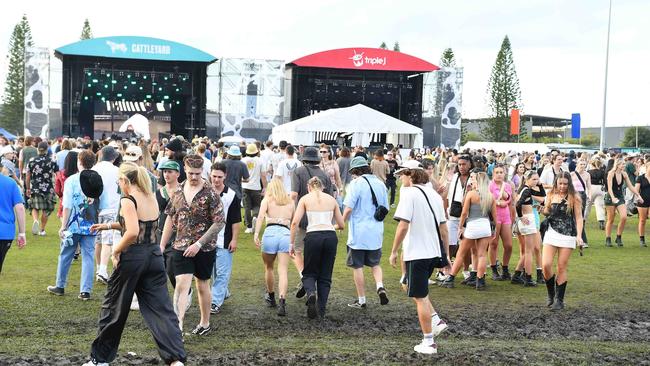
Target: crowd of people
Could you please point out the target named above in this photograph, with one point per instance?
(170, 211)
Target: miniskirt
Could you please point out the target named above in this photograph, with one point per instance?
(529, 229)
(558, 240)
(478, 229)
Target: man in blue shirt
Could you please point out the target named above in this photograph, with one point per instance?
(365, 233)
(11, 209)
(80, 212)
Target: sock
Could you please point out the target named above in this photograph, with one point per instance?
(380, 285)
(435, 319)
(362, 300)
(102, 270)
(428, 339)
(505, 268)
(494, 267)
(539, 268)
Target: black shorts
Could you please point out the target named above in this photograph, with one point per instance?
(200, 265)
(418, 272)
(357, 258)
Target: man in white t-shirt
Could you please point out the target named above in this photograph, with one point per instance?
(286, 168)
(278, 156)
(108, 206)
(548, 175)
(253, 188)
(418, 210)
(266, 155)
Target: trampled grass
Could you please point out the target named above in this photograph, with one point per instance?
(605, 281)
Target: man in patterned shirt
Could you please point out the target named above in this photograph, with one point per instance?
(39, 183)
(195, 214)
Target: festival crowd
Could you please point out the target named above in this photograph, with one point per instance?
(169, 213)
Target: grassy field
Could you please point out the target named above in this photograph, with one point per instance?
(606, 319)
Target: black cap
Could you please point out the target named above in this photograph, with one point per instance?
(175, 145)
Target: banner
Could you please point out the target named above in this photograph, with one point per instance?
(37, 91)
(448, 102)
(575, 126)
(514, 122)
(251, 97)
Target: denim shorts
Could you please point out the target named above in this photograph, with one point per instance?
(275, 240)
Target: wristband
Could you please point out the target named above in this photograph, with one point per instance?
(198, 244)
(21, 234)
(109, 225)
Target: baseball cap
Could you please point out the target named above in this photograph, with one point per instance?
(407, 165)
(170, 165)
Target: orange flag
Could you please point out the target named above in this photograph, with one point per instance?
(514, 122)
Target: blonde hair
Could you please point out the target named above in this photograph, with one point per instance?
(316, 186)
(275, 191)
(137, 176)
(483, 189)
(147, 160)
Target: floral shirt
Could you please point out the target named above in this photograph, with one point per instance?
(42, 172)
(191, 220)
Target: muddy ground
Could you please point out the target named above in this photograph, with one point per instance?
(529, 335)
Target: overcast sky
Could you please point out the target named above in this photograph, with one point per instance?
(558, 46)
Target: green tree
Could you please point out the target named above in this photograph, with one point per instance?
(448, 59)
(630, 138)
(86, 32)
(13, 99)
(503, 95)
(396, 46)
(590, 140)
(383, 46)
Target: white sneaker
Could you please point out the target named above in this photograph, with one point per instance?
(42, 233)
(134, 304)
(441, 277)
(36, 228)
(248, 230)
(431, 282)
(437, 329)
(426, 349)
(465, 274)
(91, 363)
(253, 224)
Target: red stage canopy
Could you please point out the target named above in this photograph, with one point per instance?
(365, 59)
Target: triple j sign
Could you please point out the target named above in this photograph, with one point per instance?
(358, 59)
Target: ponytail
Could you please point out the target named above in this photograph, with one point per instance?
(137, 176)
(143, 181)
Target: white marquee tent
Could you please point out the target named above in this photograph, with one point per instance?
(364, 124)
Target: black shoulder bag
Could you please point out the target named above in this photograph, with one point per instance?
(455, 208)
(380, 211)
(438, 262)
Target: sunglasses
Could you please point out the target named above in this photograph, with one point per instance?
(131, 154)
(324, 152)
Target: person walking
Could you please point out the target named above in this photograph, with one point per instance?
(564, 215)
(597, 176)
(391, 180)
(503, 193)
(615, 201)
(195, 214)
(320, 209)
(643, 187)
(365, 194)
(108, 206)
(379, 166)
(237, 171)
(582, 185)
(81, 194)
(228, 237)
(254, 187)
(299, 188)
(422, 230)
(39, 188)
(12, 211)
(277, 210)
(138, 268)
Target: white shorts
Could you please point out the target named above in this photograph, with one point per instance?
(478, 229)
(108, 237)
(558, 240)
(529, 229)
(452, 226)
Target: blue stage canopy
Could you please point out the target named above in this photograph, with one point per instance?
(142, 48)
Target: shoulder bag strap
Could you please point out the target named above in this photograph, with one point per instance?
(372, 192)
(584, 187)
(435, 220)
(453, 195)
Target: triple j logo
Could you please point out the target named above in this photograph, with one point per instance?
(359, 60)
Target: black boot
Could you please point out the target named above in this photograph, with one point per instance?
(642, 241)
(550, 290)
(495, 273)
(540, 276)
(480, 283)
(471, 280)
(505, 274)
(619, 241)
(608, 241)
(270, 299)
(517, 279)
(448, 282)
(282, 307)
(528, 281)
(601, 225)
(558, 304)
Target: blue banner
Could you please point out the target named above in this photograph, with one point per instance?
(575, 126)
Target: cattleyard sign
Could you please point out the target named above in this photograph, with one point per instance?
(143, 48)
(362, 58)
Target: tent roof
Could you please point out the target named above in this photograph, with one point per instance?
(357, 118)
